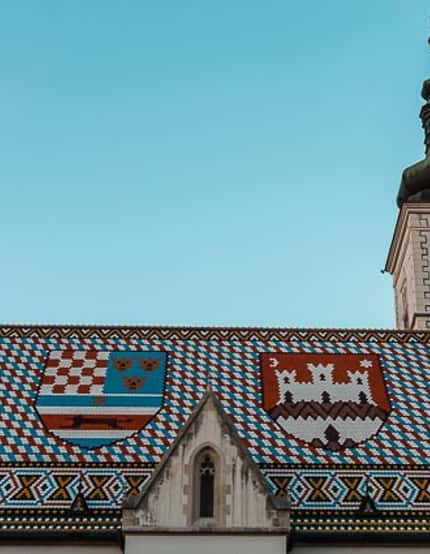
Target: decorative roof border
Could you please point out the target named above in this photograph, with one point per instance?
(60, 525)
(409, 526)
(262, 467)
(63, 525)
(212, 333)
(102, 465)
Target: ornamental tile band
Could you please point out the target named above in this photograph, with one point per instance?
(331, 417)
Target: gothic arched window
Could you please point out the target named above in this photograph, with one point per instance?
(206, 485)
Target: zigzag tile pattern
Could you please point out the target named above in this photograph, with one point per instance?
(41, 470)
(47, 488)
(316, 489)
(213, 333)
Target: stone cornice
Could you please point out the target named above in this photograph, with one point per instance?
(399, 233)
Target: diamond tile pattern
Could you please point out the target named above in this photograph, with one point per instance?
(39, 469)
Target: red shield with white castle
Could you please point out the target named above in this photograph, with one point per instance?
(331, 401)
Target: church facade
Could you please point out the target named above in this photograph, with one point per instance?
(159, 440)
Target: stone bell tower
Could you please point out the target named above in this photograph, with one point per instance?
(409, 255)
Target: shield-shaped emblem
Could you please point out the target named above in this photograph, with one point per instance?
(331, 401)
(94, 398)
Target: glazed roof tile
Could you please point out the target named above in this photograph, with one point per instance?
(62, 392)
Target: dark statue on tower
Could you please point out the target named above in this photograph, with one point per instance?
(415, 184)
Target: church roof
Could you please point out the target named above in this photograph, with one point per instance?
(336, 418)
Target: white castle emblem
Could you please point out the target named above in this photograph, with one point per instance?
(323, 388)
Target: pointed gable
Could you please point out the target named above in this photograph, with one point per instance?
(174, 496)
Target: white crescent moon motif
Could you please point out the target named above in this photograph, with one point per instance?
(274, 362)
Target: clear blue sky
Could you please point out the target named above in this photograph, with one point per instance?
(205, 163)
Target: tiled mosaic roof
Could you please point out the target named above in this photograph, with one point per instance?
(21, 523)
(330, 416)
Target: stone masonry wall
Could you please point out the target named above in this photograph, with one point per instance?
(411, 271)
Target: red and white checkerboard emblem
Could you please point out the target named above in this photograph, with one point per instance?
(330, 401)
(92, 398)
(75, 372)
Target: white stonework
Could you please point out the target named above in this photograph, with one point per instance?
(409, 263)
(206, 544)
(243, 503)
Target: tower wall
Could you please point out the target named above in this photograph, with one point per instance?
(409, 264)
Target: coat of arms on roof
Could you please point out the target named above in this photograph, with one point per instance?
(93, 398)
(331, 401)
